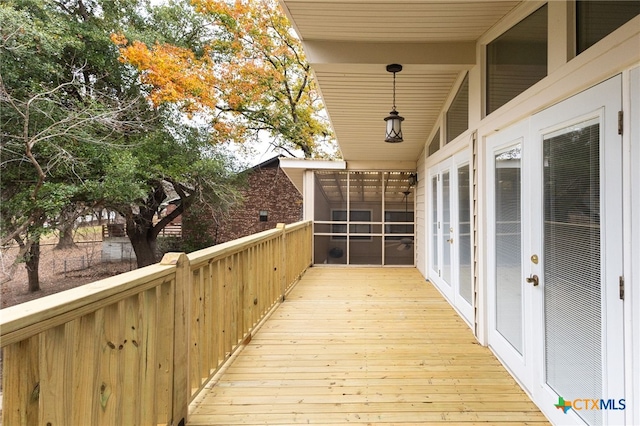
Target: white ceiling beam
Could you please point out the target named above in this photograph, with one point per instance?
(364, 55)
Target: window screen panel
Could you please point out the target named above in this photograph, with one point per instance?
(398, 216)
(365, 252)
(572, 270)
(327, 250)
(330, 193)
(354, 228)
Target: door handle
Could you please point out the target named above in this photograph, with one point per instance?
(533, 279)
(450, 240)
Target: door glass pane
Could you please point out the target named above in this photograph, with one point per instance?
(508, 246)
(572, 298)
(446, 228)
(434, 223)
(464, 234)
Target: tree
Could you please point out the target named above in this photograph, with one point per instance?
(69, 216)
(178, 165)
(51, 120)
(42, 173)
(177, 159)
(250, 77)
(76, 134)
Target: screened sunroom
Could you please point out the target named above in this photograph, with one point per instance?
(364, 217)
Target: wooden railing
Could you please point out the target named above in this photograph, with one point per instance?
(136, 348)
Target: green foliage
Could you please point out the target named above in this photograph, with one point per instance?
(123, 182)
(169, 244)
(176, 23)
(74, 130)
(55, 196)
(247, 74)
(32, 40)
(197, 234)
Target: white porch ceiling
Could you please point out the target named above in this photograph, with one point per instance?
(350, 42)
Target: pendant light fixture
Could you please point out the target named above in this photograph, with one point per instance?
(394, 129)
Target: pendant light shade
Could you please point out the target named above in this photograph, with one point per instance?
(394, 128)
(394, 120)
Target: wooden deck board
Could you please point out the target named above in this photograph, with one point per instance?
(364, 346)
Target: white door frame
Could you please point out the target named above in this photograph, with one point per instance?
(603, 102)
(466, 309)
(600, 102)
(436, 271)
(520, 364)
(449, 289)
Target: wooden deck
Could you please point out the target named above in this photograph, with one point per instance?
(364, 346)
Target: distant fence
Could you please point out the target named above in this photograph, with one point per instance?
(116, 230)
(171, 231)
(116, 246)
(79, 263)
(113, 230)
(93, 254)
(136, 348)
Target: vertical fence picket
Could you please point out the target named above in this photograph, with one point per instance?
(110, 387)
(163, 364)
(218, 309)
(85, 353)
(130, 356)
(181, 367)
(196, 332)
(206, 323)
(146, 342)
(21, 383)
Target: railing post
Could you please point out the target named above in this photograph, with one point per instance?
(283, 261)
(181, 391)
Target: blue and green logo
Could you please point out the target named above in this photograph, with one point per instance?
(590, 404)
(563, 405)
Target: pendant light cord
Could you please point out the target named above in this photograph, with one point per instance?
(394, 91)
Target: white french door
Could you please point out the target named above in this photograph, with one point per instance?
(576, 180)
(509, 300)
(450, 238)
(555, 244)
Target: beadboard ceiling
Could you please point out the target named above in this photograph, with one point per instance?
(350, 42)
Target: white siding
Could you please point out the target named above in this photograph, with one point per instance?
(420, 219)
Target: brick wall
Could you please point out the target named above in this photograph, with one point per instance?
(268, 189)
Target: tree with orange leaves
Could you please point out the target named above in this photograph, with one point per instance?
(251, 77)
